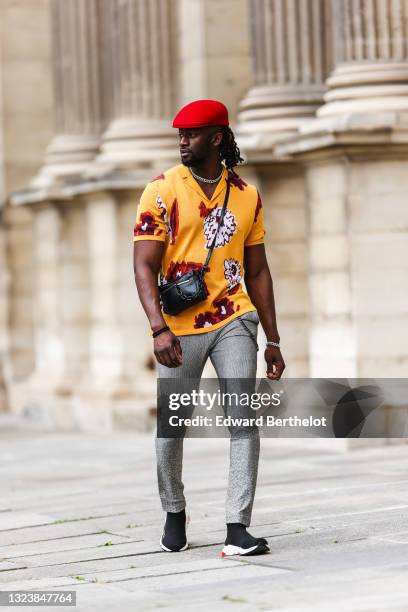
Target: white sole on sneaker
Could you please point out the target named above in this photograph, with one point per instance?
(163, 547)
(229, 550)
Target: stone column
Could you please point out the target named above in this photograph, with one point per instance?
(3, 313)
(108, 348)
(61, 317)
(290, 65)
(105, 360)
(355, 158)
(49, 350)
(141, 37)
(214, 61)
(332, 326)
(371, 53)
(75, 293)
(19, 271)
(102, 238)
(77, 93)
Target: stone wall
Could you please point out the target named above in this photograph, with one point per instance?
(26, 113)
(317, 94)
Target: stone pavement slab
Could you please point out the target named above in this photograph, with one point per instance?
(81, 511)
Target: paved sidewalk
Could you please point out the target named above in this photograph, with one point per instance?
(81, 511)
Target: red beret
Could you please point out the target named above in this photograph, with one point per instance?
(201, 113)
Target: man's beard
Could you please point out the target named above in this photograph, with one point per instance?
(193, 160)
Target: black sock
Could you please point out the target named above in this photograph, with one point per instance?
(238, 536)
(175, 530)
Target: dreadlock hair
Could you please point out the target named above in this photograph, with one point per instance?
(229, 151)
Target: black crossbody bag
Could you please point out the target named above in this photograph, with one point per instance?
(189, 289)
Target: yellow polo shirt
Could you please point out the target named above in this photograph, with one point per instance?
(175, 210)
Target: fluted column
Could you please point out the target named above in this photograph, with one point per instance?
(141, 37)
(77, 95)
(371, 53)
(290, 65)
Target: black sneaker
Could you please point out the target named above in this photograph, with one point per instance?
(174, 538)
(240, 542)
(263, 541)
(230, 550)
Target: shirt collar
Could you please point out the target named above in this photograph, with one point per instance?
(221, 185)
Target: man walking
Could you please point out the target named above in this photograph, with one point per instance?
(177, 224)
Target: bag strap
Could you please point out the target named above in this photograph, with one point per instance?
(224, 206)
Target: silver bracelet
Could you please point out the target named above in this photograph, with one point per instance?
(270, 343)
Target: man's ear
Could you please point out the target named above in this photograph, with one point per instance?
(216, 138)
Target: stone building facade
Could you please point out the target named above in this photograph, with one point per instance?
(317, 91)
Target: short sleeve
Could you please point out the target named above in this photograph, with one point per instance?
(150, 216)
(257, 232)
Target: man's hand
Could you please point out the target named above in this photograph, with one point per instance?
(274, 361)
(167, 350)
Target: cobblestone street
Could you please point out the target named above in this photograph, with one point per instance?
(81, 512)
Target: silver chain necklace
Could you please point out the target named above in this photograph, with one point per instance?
(205, 180)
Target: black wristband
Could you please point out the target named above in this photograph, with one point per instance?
(161, 330)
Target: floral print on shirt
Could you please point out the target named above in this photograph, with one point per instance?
(173, 210)
(178, 268)
(204, 211)
(146, 226)
(171, 221)
(236, 180)
(224, 308)
(258, 207)
(232, 272)
(160, 177)
(227, 229)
